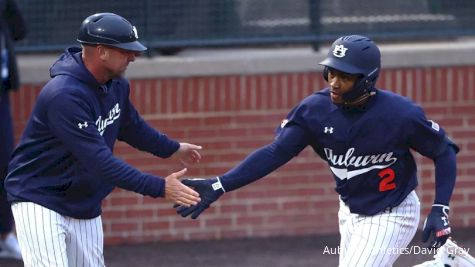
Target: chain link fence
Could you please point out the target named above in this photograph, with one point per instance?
(177, 24)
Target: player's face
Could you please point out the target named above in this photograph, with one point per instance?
(340, 83)
(118, 60)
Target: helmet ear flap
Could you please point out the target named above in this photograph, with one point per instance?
(325, 73)
(370, 80)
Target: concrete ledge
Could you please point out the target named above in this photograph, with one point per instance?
(229, 61)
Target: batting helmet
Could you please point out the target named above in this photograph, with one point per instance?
(109, 29)
(354, 54)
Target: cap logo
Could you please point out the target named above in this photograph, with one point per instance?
(339, 51)
(135, 32)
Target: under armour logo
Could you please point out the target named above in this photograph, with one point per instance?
(328, 130)
(339, 51)
(80, 125)
(445, 220)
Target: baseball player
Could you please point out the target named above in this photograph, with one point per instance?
(365, 135)
(63, 166)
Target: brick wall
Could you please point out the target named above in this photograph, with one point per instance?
(230, 116)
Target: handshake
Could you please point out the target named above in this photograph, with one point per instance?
(209, 189)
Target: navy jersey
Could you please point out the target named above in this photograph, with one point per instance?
(64, 159)
(368, 149)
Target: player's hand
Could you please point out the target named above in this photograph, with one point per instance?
(437, 224)
(188, 154)
(178, 192)
(209, 189)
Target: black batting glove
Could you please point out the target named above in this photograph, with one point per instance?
(437, 224)
(209, 189)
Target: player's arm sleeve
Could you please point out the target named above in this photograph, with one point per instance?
(289, 143)
(429, 139)
(64, 113)
(445, 175)
(425, 136)
(137, 133)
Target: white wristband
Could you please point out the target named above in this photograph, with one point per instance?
(217, 185)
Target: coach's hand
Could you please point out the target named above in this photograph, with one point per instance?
(188, 154)
(178, 192)
(209, 189)
(437, 224)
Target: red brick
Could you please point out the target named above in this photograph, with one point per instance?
(233, 208)
(140, 213)
(157, 225)
(460, 108)
(217, 222)
(302, 204)
(121, 227)
(183, 223)
(123, 200)
(471, 196)
(233, 234)
(203, 235)
(113, 214)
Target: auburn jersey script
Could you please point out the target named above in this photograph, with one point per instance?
(368, 148)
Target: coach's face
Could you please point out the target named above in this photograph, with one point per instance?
(340, 83)
(117, 60)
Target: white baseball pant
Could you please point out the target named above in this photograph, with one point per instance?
(50, 239)
(377, 240)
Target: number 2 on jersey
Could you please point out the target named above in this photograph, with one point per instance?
(387, 180)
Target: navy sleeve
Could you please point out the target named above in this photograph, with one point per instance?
(137, 133)
(430, 140)
(445, 173)
(424, 136)
(70, 122)
(301, 115)
(289, 143)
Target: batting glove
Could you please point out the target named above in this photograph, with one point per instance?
(437, 223)
(209, 189)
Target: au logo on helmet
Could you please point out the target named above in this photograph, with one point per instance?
(339, 51)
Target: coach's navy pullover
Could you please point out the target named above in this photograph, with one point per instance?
(64, 159)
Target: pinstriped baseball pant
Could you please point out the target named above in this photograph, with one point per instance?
(377, 240)
(52, 240)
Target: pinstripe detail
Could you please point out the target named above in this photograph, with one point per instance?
(100, 242)
(86, 247)
(49, 239)
(350, 226)
(52, 240)
(346, 228)
(22, 238)
(39, 231)
(375, 245)
(31, 218)
(389, 224)
(43, 222)
(373, 240)
(69, 236)
(89, 245)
